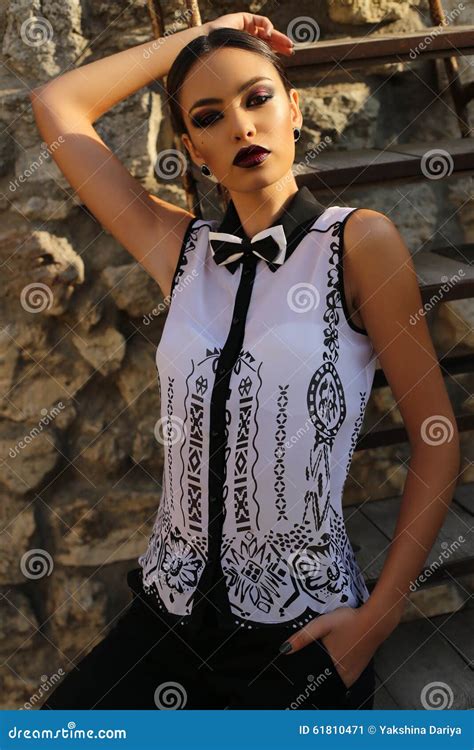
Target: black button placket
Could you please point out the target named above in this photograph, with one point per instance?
(211, 588)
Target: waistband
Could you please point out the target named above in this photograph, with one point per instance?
(208, 614)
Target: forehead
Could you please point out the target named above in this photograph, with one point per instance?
(221, 72)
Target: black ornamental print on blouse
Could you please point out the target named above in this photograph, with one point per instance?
(264, 383)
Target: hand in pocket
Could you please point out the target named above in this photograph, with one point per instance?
(346, 637)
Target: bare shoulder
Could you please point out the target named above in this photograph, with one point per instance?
(365, 226)
(371, 241)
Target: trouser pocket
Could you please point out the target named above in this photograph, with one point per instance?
(360, 693)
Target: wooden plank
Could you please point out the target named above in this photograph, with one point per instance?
(458, 632)
(317, 58)
(442, 279)
(413, 657)
(368, 542)
(382, 436)
(440, 598)
(370, 528)
(454, 543)
(458, 148)
(357, 166)
(382, 698)
(397, 162)
(464, 496)
(461, 251)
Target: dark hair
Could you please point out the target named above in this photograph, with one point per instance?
(202, 45)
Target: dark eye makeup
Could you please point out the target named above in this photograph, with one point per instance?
(204, 121)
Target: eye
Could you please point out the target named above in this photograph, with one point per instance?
(207, 120)
(262, 96)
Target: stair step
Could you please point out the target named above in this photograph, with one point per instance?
(347, 53)
(370, 527)
(399, 161)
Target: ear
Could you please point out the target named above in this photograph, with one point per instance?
(296, 116)
(194, 154)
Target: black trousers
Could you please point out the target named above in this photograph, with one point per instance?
(143, 663)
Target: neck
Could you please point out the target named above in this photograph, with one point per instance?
(259, 209)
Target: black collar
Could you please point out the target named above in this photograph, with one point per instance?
(296, 218)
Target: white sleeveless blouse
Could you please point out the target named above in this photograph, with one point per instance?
(254, 473)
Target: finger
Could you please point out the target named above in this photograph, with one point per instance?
(299, 640)
(280, 43)
(262, 26)
(265, 31)
(279, 38)
(317, 628)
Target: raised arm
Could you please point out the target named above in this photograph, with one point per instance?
(66, 107)
(151, 229)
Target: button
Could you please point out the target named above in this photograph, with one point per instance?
(348, 693)
(246, 271)
(221, 370)
(214, 433)
(235, 320)
(213, 498)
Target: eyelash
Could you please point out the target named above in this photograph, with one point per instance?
(201, 123)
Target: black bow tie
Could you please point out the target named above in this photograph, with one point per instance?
(229, 249)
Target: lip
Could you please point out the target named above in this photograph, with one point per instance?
(248, 157)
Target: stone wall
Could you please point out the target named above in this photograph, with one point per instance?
(81, 466)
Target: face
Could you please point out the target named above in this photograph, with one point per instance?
(248, 113)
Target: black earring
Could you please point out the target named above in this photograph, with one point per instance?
(205, 170)
(296, 133)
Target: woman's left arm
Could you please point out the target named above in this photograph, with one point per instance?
(388, 299)
(392, 310)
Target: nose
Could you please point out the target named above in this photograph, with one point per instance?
(241, 125)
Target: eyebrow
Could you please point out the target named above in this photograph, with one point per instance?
(214, 100)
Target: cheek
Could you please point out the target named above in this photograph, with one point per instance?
(280, 118)
(278, 126)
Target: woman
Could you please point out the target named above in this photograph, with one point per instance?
(248, 594)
